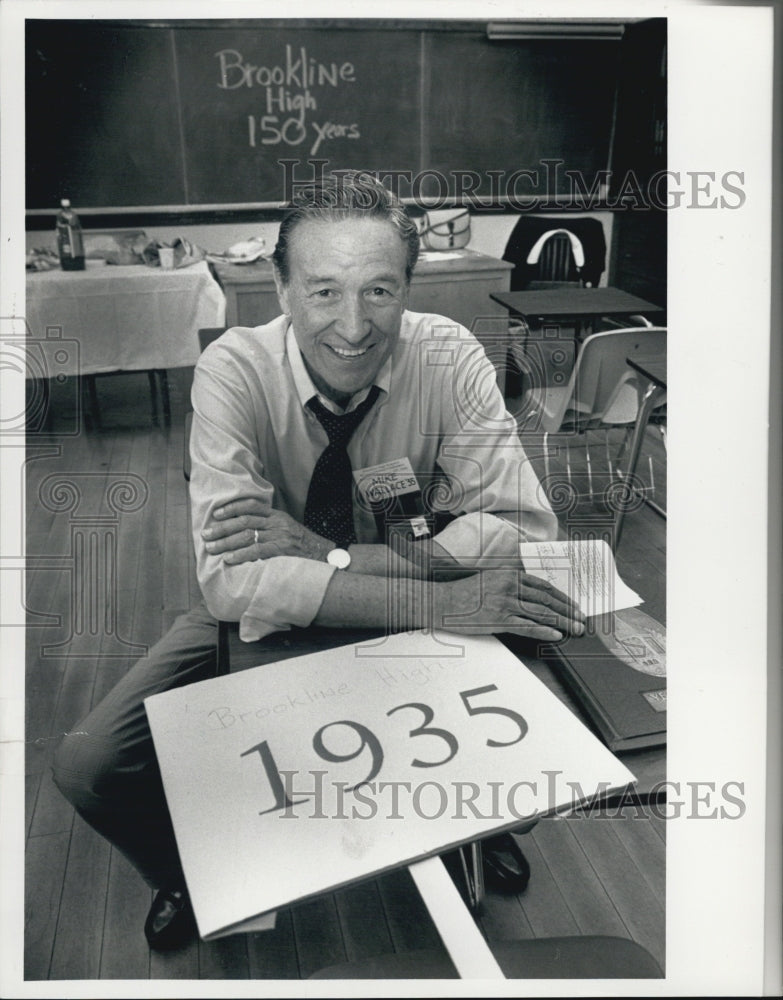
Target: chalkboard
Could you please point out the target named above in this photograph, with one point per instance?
(132, 115)
(101, 109)
(507, 106)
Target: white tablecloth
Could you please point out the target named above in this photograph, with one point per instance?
(132, 317)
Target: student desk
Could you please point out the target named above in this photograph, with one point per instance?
(457, 284)
(558, 318)
(583, 304)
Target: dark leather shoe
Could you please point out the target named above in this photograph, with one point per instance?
(505, 866)
(170, 922)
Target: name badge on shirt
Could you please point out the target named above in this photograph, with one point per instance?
(392, 492)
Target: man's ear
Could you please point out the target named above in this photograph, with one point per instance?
(282, 292)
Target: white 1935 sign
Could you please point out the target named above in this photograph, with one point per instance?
(300, 776)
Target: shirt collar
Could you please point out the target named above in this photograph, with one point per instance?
(305, 389)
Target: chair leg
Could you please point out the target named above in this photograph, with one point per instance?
(472, 866)
(49, 410)
(589, 467)
(164, 395)
(153, 395)
(223, 665)
(546, 461)
(651, 399)
(38, 391)
(94, 409)
(626, 441)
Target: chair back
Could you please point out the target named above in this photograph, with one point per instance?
(209, 333)
(560, 258)
(528, 234)
(603, 389)
(588, 957)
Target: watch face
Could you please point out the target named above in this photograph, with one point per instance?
(339, 558)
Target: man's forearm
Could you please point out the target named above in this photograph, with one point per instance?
(423, 560)
(250, 530)
(496, 601)
(355, 600)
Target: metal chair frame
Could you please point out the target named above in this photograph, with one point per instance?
(599, 409)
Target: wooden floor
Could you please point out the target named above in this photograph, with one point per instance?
(85, 906)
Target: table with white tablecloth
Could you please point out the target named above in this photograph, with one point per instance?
(126, 318)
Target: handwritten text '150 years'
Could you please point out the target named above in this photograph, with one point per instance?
(288, 96)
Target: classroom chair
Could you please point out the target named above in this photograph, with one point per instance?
(602, 389)
(591, 957)
(158, 381)
(602, 392)
(528, 234)
(205, 337)
(548, 255)
(559, 258)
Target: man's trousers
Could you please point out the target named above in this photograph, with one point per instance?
(106, 765)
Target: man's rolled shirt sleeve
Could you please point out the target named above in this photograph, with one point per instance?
(265, 595)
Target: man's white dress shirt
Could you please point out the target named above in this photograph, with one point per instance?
(439, 407)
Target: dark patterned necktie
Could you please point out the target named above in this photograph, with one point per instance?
(329, 506)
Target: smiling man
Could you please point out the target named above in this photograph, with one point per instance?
(345, 296)
(297, 427)
(346, 344)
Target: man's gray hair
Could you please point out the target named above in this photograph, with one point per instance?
(346, 195)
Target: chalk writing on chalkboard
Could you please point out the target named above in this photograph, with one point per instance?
(286, 86)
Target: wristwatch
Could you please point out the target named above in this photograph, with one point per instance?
(340, 558)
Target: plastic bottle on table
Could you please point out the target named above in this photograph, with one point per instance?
(70, 244)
